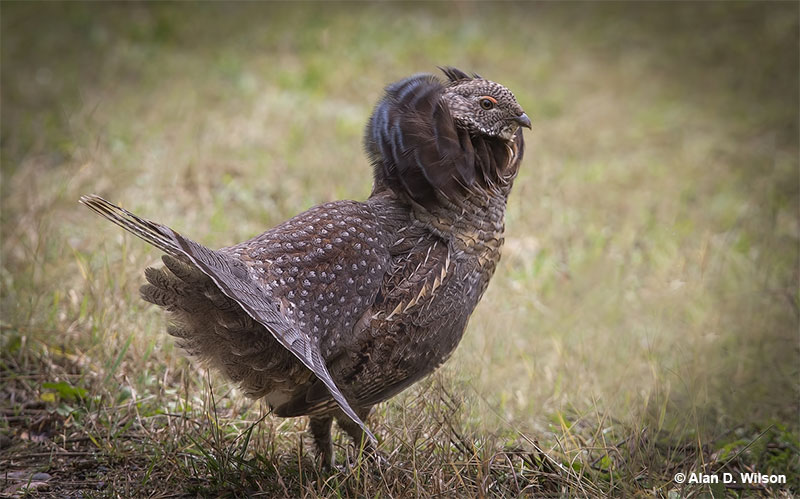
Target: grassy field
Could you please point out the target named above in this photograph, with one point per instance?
(643, 321)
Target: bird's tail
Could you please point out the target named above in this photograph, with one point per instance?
(160, 236)
(231, 276)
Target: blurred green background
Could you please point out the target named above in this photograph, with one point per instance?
(650, 275)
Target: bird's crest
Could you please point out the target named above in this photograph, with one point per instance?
(455, 75)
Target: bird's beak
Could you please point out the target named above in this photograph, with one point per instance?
(523, 120)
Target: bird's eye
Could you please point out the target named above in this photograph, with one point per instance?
(487, 102)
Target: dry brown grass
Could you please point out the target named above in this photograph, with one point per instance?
(643, 321)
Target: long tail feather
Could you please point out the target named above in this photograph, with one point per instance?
(143, 228)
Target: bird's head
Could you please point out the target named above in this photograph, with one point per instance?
(482, 106)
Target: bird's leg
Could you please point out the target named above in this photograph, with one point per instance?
(356, 433)
(320, 428)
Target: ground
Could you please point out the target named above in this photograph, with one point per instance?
(643, 321)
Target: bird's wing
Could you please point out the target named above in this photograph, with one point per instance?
(390, 351)
(232, 278)
(425, 313)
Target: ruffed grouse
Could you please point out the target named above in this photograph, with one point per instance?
(349, 303)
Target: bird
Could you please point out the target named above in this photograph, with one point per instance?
(350, 302)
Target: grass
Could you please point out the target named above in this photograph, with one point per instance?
(643, 320)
